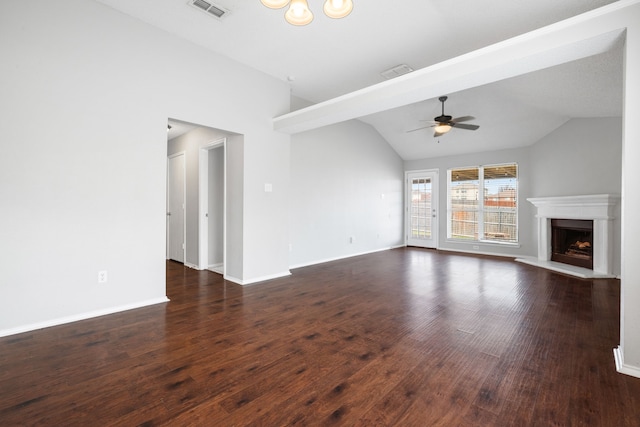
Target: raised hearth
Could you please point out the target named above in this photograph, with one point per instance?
(600, 208)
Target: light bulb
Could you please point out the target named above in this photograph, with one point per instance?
(338, 8)
(298, 13)
(297, 10)
(275, 4)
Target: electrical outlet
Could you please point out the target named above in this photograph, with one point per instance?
(102, 276)
(476, 247)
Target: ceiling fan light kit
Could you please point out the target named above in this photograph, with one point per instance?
(275, 4)
(444, 123)
(338, 8)
(299, 13)
(442, 128)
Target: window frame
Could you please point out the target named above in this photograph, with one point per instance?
(480, 208)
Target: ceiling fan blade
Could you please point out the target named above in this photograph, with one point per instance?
(465, 126)
(424, 127)
(462, 119)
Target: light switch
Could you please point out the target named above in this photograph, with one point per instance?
(268, 188)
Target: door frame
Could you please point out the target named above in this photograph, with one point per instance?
(203, 203)
(184, 204)
(435, 223)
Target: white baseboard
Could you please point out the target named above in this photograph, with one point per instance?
(81, 316)
(232, 279)
(256, 279)
(195, 267)
(479, 252)
(621, 367)
(322, 261)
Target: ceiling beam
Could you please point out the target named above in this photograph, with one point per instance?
(581, 36)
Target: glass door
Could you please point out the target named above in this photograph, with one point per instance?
(422, 213)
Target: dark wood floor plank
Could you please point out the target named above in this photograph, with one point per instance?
(406, 337)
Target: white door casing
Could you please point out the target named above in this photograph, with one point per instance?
(421, 208)
(176, 193)
(204, 215)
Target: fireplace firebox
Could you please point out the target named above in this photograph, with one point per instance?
(572, 242)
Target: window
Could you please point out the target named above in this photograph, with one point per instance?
(482, 203)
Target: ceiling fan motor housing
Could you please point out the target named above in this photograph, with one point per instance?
(443, 119)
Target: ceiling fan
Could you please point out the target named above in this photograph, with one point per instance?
(444, 123)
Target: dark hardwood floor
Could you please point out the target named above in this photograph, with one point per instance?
(407, 337)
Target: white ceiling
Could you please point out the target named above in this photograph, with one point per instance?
(177, 128)
(330, 57)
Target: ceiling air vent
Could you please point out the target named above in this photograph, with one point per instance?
(210, 8)
(396, 71)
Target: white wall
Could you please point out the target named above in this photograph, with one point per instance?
(216, 206)
(346, 181)
(86, 93)
(630, 314)
(265, 220)
(235, 204)
(584, 156)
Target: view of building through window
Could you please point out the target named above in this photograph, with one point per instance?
(482, 203)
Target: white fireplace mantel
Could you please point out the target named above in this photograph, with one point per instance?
(601, 208)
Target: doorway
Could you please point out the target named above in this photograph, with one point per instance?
(422, 208)
(176, 192)
(212, 212)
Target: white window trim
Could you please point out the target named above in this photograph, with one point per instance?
(481, 168)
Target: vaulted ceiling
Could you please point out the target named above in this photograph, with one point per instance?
(329, 58)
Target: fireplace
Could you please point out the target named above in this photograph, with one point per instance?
(572, 242)
(587, 222)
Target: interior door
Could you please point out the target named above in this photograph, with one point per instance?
(422, 209)
(176, 208)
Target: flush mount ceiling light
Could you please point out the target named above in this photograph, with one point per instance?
(300, 14)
